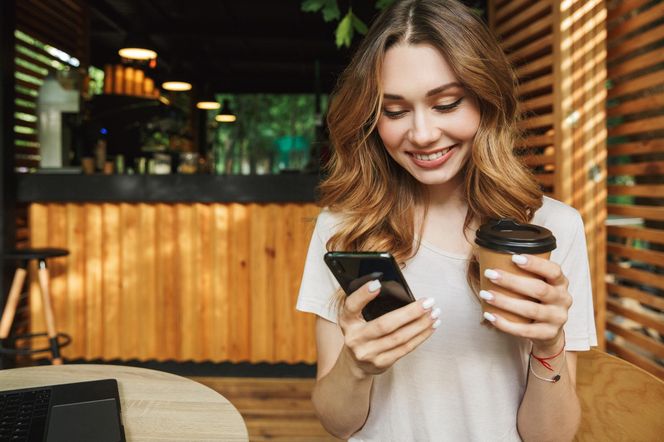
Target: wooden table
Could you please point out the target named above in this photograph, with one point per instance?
(156, 406)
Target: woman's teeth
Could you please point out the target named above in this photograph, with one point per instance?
(432, 156)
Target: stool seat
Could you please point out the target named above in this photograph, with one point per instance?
(35, 253)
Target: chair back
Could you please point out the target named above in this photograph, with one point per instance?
(619, 401)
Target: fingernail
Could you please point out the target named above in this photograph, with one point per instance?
(374, 285)
(489, 317)
(487, 296)
(491, 274)
(428, 303)
(519, 259)
(435, 313)
(436, 324)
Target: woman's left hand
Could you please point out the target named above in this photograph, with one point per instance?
(549, 315)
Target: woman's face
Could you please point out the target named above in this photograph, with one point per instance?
(428, 121)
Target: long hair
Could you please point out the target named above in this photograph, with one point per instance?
(376, 197)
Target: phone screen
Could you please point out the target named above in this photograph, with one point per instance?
(354, 269)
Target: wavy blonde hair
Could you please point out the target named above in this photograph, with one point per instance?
(376, 197)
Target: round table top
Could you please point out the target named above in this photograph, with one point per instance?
(155, 405)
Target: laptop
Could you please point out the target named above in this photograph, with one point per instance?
(73, 412)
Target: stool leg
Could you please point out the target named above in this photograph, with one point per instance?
(48, 312)
(12, 301)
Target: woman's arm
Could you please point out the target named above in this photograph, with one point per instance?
(549, 411)
(351, 353)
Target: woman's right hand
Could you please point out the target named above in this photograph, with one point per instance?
(373, 347)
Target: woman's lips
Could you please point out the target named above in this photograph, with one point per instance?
(431, 164)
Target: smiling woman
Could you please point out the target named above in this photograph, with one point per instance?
(423, 125)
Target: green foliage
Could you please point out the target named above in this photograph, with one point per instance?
(329, 8)
(382, 4)
(254, 143)
(348, 25)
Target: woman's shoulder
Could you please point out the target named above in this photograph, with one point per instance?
(562, 220)
(328, 221)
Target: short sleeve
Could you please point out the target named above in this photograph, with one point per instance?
(318, 287)
(580, 333)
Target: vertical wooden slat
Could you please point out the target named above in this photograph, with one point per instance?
(240, 302)
(262, 314)
(74, 300)
(111, 280)
(204, 271)
(281, 287)
(93, 292)
(146, 298)
(168, 340)
(189, 300)
(221, 294)
(39, 237)
(131, 274)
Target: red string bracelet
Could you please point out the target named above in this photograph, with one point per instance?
(544, 362)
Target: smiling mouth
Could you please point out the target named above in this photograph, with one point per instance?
(432, 156)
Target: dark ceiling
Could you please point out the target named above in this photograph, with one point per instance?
(229, 45)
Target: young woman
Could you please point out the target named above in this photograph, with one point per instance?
(423, 127)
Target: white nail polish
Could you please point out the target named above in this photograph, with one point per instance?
(491, 274)
(435, 313)
(374, 285)
(436, 324)
(487, 296)
(428, 303)
(519, 259)
(489, 317)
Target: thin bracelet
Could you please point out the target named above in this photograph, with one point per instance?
(554, 379)
(543, 360)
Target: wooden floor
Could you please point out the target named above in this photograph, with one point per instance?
(274, 409)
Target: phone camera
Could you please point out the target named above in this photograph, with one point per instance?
(337, 267)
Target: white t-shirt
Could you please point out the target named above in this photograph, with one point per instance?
(467, 380)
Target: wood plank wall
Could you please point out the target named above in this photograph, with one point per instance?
(636, 187)
(200, 282)
(559, 52)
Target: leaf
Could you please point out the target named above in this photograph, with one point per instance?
(359, 25)
(344, 32)
(331, 10)
(312, 5)
(382, 4)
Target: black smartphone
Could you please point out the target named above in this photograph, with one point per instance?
(354, 269)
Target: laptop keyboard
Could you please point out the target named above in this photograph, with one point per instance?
(23, 415)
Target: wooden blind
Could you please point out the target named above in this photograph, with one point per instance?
(558, 50)
(635, 261)
(49, 35)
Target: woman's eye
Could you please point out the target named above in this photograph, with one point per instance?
(448, 107)
(393, 114)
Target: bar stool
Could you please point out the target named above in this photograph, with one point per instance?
(56, 340)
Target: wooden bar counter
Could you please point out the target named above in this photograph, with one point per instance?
(173, 277)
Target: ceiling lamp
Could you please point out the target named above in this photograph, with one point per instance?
(137, 47)
(176, 86)
(226, 115)
(208, 104)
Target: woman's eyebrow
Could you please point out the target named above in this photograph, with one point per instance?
(433, 91)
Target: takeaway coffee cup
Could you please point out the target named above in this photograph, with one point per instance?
(498, 240)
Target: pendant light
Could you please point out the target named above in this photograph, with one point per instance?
(207, 100)
(226, 115)
(176, 85)
(137, 47)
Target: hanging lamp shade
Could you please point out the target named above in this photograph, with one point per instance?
(137, 47)
(226, 115)
(208, 102)
(176, 85)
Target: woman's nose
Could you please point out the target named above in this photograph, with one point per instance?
(423, 131)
